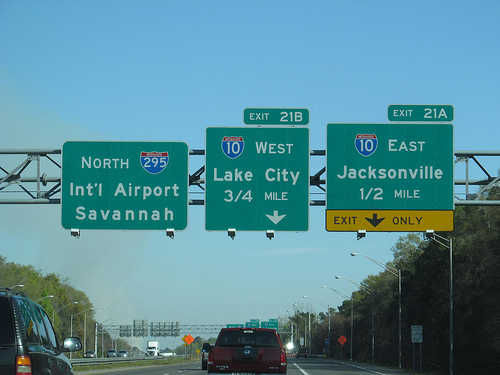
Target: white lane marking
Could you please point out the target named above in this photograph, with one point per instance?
(343, 363)
(300, 369)
(363, 368)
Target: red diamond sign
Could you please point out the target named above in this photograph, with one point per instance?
(342, 340)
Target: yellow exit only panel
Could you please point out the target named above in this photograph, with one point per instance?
(389, 220)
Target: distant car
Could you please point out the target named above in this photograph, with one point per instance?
(122, 353)
(89, 354)
(112, 353)
(301, 352)
(28, 343)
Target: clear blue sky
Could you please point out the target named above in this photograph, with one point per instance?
(166, 70)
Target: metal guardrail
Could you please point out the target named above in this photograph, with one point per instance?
(100, 361)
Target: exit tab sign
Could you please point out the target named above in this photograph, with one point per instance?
(276, 116)
(421, 112)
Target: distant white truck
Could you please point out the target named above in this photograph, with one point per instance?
(153, 348)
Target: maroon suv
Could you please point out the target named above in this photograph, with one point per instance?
(247, 350)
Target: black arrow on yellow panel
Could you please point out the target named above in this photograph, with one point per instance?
(375, 220)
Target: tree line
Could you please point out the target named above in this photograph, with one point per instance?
(425, 301)
(61, 301)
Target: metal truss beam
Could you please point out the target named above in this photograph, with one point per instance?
(114, 329)
(191, 329)
(39, 188)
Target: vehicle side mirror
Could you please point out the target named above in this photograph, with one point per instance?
(72, 344)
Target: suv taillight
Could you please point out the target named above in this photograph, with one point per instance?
(283, 358)
(23, 365)
(210, 357)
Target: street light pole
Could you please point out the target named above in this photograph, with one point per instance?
(85, 332)
(305, 328)
(373, 311)
(442, 241)
(329, 330)
(102, 336)
(396, 272)
(352, 312)
(293, 337)
(71, 330)
(53, 311)
(310, 334)
(81, 312)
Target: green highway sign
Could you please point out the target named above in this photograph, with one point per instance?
(421, 112)
(388, 167)
(272, 323)
(125, 185)
(276, 116)
(257, 179)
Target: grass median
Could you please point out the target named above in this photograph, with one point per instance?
(118, 364)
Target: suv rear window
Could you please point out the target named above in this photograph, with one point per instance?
(7, 336)
(245, 337)
(29, 320)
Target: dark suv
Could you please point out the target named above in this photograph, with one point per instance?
(301, 352)
(28, 343)
(204, 355)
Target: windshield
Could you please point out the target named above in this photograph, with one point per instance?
(248, 338)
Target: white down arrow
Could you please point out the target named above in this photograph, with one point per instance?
(275, 218)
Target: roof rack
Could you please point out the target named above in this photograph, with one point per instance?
(11, 292)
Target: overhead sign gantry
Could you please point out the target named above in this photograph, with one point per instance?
(380, 177)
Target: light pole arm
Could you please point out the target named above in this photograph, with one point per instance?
(390, 269)
(355, 283)
(336, 291)
(321, 303)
